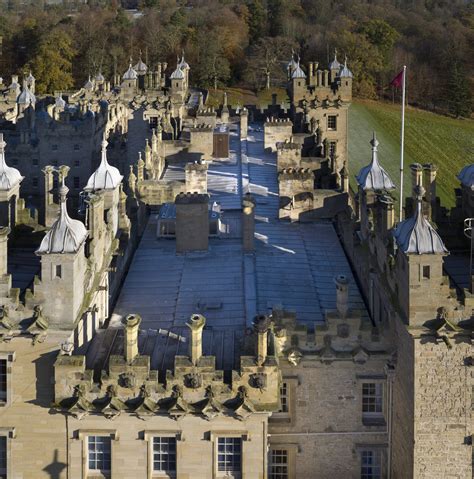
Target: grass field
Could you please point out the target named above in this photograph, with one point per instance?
(429, 138)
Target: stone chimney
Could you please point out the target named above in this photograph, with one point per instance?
(416, 175)
(261, 324)
(195, 344)
(196, 177)
(192, 222)
(248, 223)
(310, 72)
(342, 295)
(132, 324)
(244, 123)
(387, 213)
(429, 181)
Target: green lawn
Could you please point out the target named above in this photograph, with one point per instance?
(429, 138)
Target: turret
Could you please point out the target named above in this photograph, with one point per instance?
(63, 267)
(419, 266)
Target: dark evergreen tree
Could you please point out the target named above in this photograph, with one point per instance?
(459, 96)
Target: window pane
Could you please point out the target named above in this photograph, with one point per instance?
(278, 464)
(164, 454)
(3, 380)
(229, 454)
(371, 464)
(99, 453)
(372, 398)
(3, 457)
(284, 397)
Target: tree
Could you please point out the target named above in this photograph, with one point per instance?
(257, 19)
(265, 61)
(52, 64)
(459, 96)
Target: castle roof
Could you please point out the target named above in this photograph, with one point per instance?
(466, 176)
(345, 72)
(106, 177)
(66, 235)
(130, 74)
(9, 177)
(99, 77)
(26, 97)
(335, 65)
(178, 74)
(415, 235)
(140, 67)
(298, 72)
(30, 78)
(373, 176)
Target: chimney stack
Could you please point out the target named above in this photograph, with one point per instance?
(342, 295)
(132, 324)
(261, 324)
(4, 232)
(195, 344)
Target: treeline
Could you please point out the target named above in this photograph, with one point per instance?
(248, 43)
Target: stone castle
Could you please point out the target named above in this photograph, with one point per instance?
(186, 294)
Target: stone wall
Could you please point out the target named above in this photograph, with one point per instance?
(276, 131)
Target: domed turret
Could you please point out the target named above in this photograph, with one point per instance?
(298, 72)
(345, 72)
(373, 176)
(26, 97)
(9, 177)
(66, 235)
(130, 74)
(466, 176)
(106, 177)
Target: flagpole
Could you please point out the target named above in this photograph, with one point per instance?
(402, 143)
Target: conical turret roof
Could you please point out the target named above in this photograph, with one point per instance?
(466, 176)
(415, 235)
(66, 235)
(373, 176)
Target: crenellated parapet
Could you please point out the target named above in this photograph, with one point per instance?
(194, 386)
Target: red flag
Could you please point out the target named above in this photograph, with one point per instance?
(398, 80)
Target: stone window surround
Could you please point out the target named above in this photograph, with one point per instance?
(9, 433)
(377, 379)
(214, 435)
(287, 418)
(9, 357)
(148, 437)
(292, 451)
(336, 117)
(82, 435)
(359, 448)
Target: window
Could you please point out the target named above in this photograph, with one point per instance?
(58, 271)
(229, 455)
(3, 380)
(332, 149)
(98, 451)
(77, 182)
(332, 122)
(76, 163)
(372, 399)
(371, 464)
(35, 182)
(35, 162)
(54, 147)
(278, 464)
(426, 272)
(76, 147)
(54, 162)
(164, 454)
(284, 398)
(3, 457)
